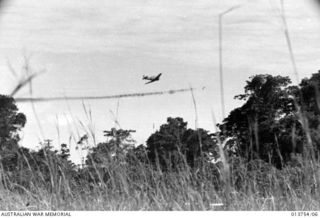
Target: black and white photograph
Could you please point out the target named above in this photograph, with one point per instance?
(159, 105)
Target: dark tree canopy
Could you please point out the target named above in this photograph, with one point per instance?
(11, 122)
(175, 144)
(308, 97)
(263, 124)
(276, 119)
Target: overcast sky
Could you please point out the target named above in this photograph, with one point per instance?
(103, 47)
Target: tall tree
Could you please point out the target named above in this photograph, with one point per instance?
(308, 96)
(174, 145)
(262, 126)
(11, 122)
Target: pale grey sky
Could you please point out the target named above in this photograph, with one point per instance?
(102, 47)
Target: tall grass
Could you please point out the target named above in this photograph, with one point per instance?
(131, 184)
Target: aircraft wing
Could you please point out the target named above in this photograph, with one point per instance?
(158, 77)
(151, 81)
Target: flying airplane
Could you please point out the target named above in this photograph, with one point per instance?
(152, 78)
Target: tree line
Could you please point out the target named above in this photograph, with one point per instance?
(276, 122)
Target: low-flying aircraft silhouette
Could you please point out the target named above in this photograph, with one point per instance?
(152, 78)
